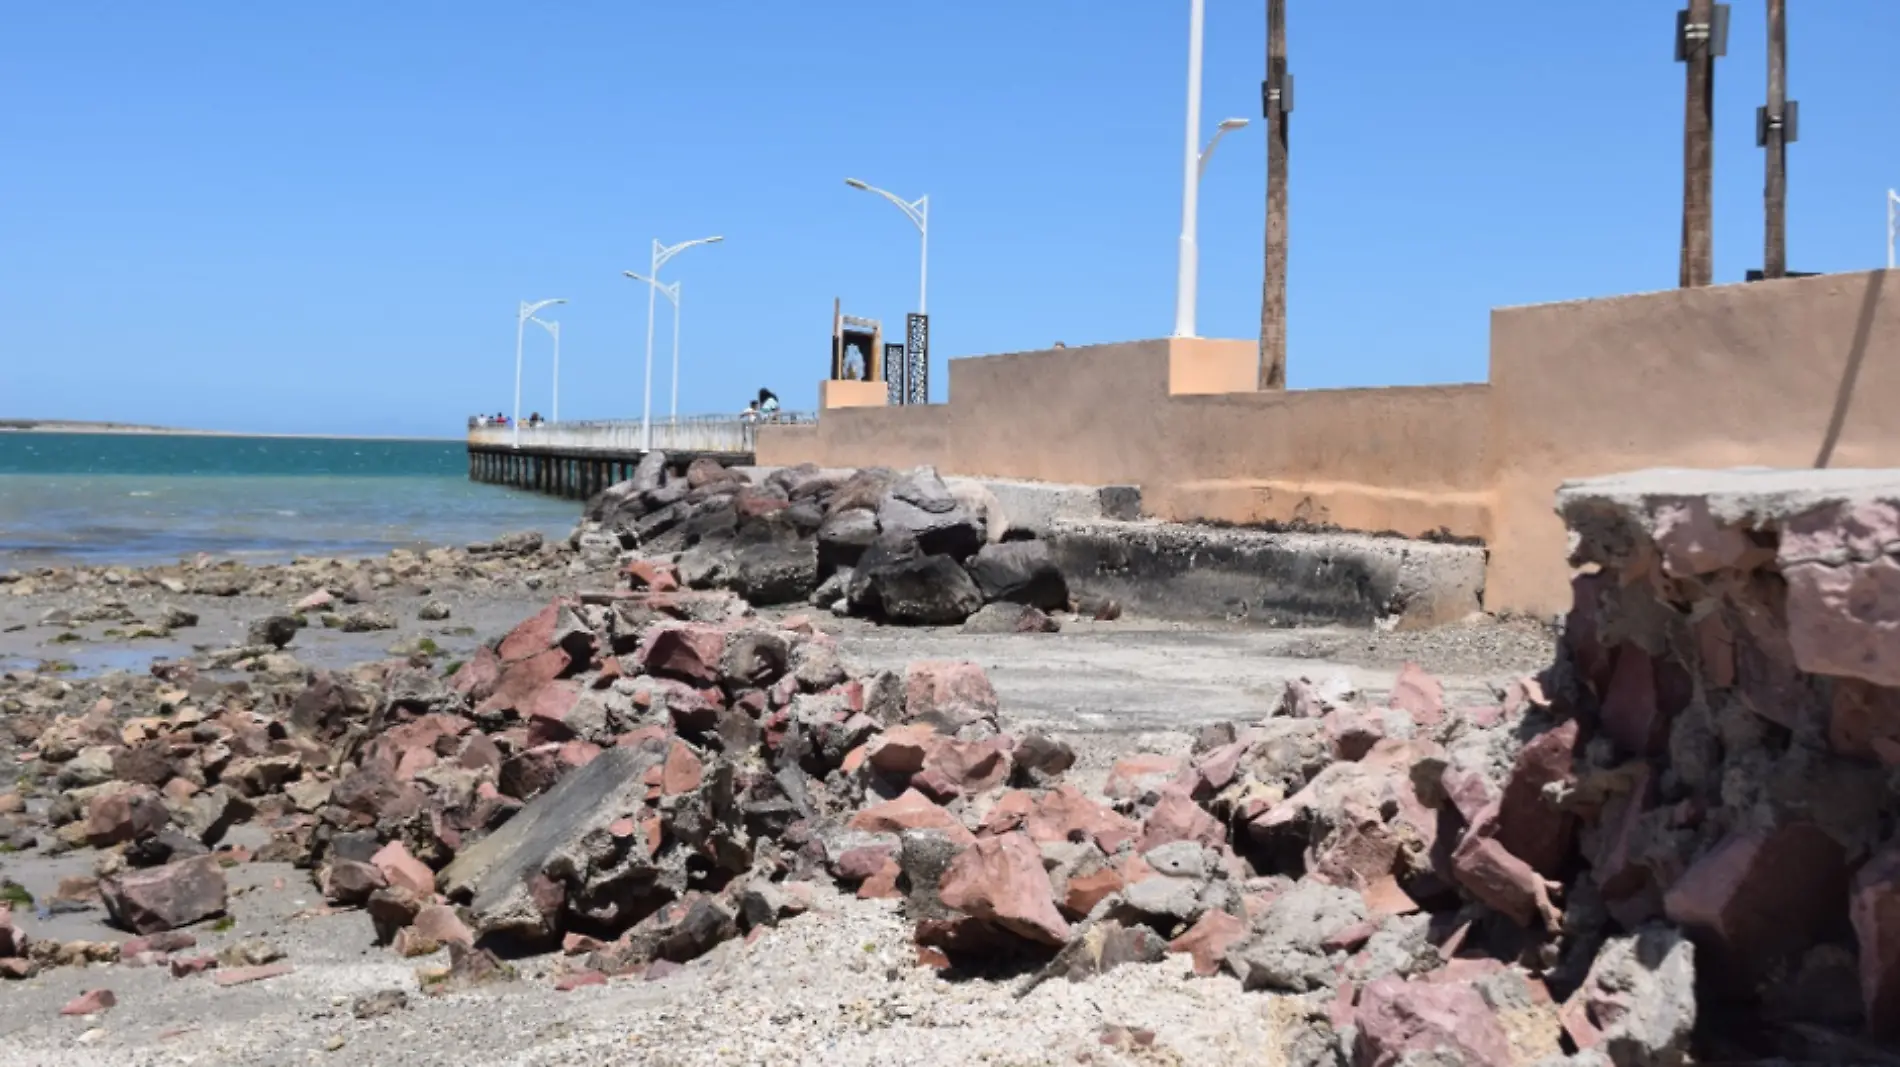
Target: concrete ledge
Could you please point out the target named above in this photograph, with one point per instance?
(1039, 506)
(1185, 572)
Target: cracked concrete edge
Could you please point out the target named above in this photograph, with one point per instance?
(1029, 505)
(1754, 497)
(1185, 571)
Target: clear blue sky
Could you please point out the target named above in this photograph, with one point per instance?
(320, 217)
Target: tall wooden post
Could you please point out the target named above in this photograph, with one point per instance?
(1273, 285)
(1698, 123)
(1774, 262)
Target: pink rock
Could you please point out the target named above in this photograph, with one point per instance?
(1084, 891)
(1615, 864)
(567, 983)
(1692, 542)
(911, 811)
(1352, 731)
(1864, 721)
(882, 885)
(858, 864)
(1490, 873)
(1633, 713)
(936, 785)
(519, 682)
(949, 692)
(440, 923)
(316, 601)
(1137, 776)
(479, 676)
(1208, 940)
(400, 868)
(185, 967)
(1467, 790)
(243, 975)
(1216, 769)
(163, 898)
(1758, 896)
(682, 772)
(689, 651)
(1399, 1020)
(902, 750)
(970, 766)
(91, 1002)
(1875, 910)
(1061, 814)
(656, 577)
(349, 882)
(1178, 818)
(1529, 825)
(126, 815)
(551, 627)
(1715, 651)
(1419, 695)
(1001, 880)
(1581, 633)
(547, 711)
(580, 945)
(1844, 619)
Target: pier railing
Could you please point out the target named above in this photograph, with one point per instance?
(696, 433)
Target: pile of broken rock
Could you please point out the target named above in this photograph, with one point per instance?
(638, 776)
(899, 547)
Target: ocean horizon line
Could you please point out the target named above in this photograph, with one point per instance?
(25, 426)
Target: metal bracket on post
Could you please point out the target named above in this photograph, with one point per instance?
(1690, 36)
(1790, 123)
(1276, 90)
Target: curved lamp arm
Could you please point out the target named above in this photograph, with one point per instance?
(662, 253)
(917, 211)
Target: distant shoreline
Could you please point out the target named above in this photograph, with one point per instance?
(52, 426)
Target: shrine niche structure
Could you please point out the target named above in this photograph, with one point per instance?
(860, 364)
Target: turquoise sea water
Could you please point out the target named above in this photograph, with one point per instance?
(152, 498)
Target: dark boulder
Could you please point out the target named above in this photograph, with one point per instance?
(929, 590)
(921, 505)
(1021, 572)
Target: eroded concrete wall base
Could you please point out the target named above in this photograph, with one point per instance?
(1189, 572)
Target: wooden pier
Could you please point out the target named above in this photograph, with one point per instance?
(579, 459)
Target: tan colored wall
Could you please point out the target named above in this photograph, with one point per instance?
(1407, 460)
(1734, 375)
(847, 393)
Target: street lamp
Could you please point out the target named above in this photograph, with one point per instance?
(918, 212)
(671, 293)
(554, 331)
(1190, 181)
(1226, 126)
(521, 321)
(661, 253)
(1893, 222)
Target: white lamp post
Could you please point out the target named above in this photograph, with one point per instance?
(918, 212)
(554, 331)
(672, 294)
(661, 253)
(1893, 222)
(1190, 181)
(521, 321)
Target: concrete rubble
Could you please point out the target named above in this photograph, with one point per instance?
(1675, 845)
